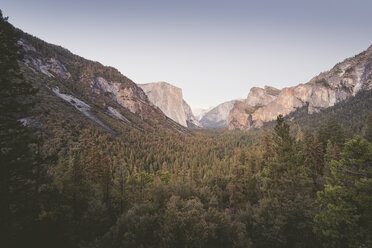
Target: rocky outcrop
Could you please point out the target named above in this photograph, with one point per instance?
(81, 106)
(50, 67)
(328, 88)
(131, 98)
(30, 122)
(116, 114)
(218, 116)
(260, 97)
(168, 98)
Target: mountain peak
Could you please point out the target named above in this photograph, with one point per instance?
(344, 80)
(162, 84)
(169, 99)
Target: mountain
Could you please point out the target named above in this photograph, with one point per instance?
(169, 99)
(343, 81)
(200, 112)
(92, 93)
(191, 121)
(240, 115)
(218, 116)
(356, 109)
(104, 167)
(72, 89)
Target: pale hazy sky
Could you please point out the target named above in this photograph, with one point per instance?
(214, 50)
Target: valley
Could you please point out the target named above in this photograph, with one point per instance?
(90, 158)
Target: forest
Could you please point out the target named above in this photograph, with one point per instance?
(290, 184)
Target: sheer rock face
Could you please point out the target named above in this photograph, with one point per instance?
(325, 90)
(218, 116)
(240, 116)
(131, 98)
(258, 96)
(169, 99)
(190, 118)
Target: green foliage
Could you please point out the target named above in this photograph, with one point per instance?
(313, 154)
(21, 171)
(368, 131)
(331, 131)
(156, 184)
(350, 114)
(174, 222)
(283, 141)
(345, 218)
(286, 210)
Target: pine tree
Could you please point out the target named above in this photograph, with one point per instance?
(267, 149)
(313, 155)
(345, 219)
(286, 209)
(283, 141)
(332, 131)
(18, 208)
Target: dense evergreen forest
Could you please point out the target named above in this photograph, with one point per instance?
(305, 183)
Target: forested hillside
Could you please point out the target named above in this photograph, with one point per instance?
(145, 181)
(351, 114)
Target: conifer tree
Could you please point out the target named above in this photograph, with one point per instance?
(332, 131)
(18, 208)
(313, 155)
(286, 209)
(267, 149)
(345, 219)
(283, 141)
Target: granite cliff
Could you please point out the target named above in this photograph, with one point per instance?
(344, 80)
(240, 116)
(169, 99)
(191, 120)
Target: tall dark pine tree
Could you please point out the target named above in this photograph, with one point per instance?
(16, 165)
(283, 141)
(345, 218)
(313, 155)
(267, 149)
(286, 209)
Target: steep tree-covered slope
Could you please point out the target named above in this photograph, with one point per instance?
(88, 90)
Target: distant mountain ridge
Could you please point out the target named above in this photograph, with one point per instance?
(344, 80)
(217, 117)
(101, 93)
(200, 112)
(107, 94)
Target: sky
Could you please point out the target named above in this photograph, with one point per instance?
(214, 50)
